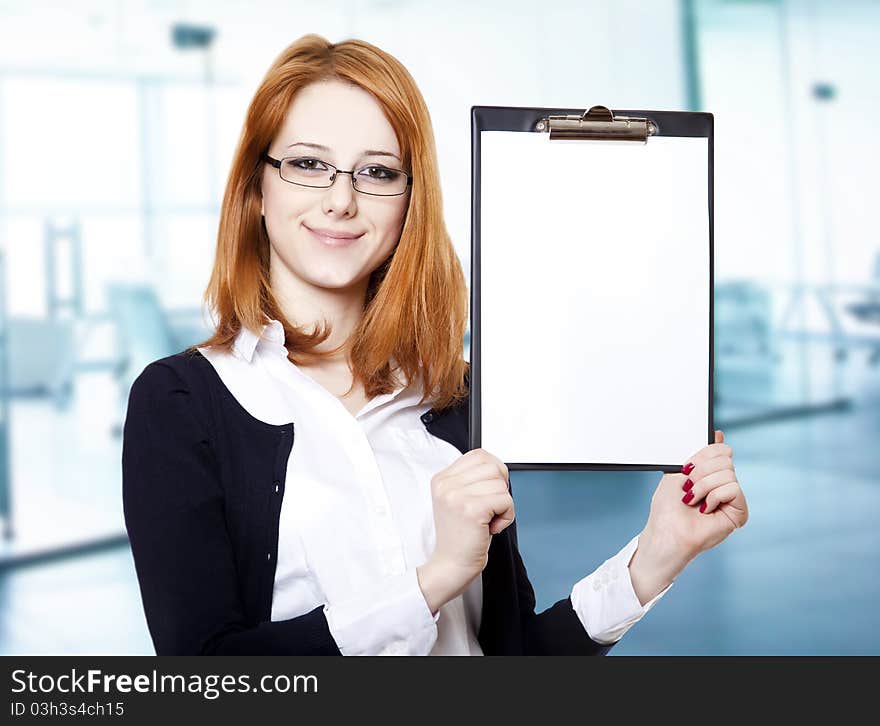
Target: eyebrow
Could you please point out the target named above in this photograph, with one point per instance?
(368, 152)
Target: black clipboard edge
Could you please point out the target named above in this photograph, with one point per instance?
(524, 118)
(665, 468)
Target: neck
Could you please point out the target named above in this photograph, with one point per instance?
(307, 306)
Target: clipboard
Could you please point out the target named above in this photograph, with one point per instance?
(591, 287)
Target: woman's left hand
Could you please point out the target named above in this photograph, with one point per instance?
(695, 510)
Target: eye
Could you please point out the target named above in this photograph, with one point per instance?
(308, 163)
(379, 173)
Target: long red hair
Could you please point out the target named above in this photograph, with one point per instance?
(416, 301)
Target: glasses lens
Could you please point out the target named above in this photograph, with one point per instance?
(307, 171)
(380, 180)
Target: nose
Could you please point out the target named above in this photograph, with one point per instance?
(340, 195)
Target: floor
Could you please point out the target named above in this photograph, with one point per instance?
(800, 578)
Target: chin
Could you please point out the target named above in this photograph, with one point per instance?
(331, 282)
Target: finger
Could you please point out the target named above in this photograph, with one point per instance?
(491, 505)
(483, 472)
(704, 467)
(502, 467)
(701, 489)
(465, 461)
(707, 452)
(495, 485)
(478, 457)
(480, 471)
(719, 437)
(730, 501)
(498, 524)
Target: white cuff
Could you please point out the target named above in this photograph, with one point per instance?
(391, 618)
(605, 601)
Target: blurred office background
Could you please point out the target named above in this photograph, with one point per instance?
(118, 120)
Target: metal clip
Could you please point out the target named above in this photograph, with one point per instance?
(599, 124)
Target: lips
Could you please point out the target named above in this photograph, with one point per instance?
(333, 238)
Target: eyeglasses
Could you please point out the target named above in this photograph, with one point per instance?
(374, 179)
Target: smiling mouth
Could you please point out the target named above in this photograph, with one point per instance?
(332, 241)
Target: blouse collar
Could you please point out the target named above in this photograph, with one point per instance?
(271, 338)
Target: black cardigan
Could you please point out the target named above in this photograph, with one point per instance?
(199, 480)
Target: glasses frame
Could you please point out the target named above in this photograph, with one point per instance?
(336, 170)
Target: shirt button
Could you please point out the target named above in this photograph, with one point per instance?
(268, 556)
(277, 485)
(428, 417)
(381, 511)
(596, 584)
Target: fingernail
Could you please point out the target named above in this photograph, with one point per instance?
(703, 507)
(687, 497)
(687, 485)
(687, 468)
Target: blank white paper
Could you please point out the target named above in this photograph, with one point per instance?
(594, 299)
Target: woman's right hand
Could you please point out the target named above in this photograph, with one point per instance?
(472, 501)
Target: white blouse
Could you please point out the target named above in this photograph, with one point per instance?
(357, 517)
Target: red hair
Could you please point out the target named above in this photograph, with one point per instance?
(416, 301)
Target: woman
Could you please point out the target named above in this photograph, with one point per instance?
(300, 483)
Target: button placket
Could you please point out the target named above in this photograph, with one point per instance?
(387, 536)
(381, 503)
(388, 540)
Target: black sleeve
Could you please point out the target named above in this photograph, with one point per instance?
(556, 630)
(173, 505)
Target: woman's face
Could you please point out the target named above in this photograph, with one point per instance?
(349, 122)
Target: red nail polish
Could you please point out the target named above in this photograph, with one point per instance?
(687, 497)
(687, 486)
(687, 468)
(703, 507)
